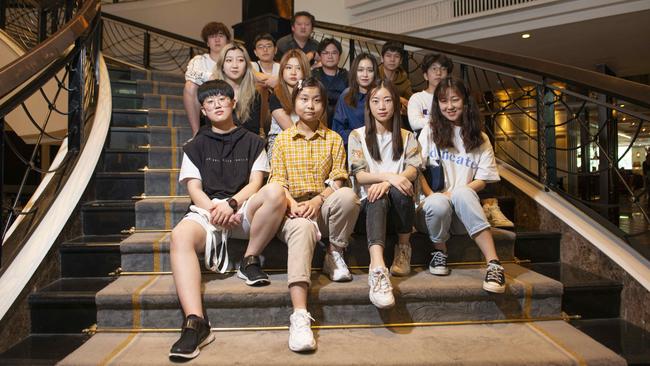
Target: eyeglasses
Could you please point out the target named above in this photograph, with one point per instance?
(219, 101)
(438, 69)
(264, 46)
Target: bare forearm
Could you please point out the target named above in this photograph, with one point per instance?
(477, 185)
(192, 106)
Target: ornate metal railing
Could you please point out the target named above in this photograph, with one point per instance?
(31, 22)
(147, 47)
(579, 133)
(63, 68)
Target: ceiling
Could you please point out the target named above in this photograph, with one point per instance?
(622, 42)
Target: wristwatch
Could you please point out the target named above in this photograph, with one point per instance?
(233, 204)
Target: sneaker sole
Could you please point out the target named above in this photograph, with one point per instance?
(305, 348)
(382, 306)
(260, 282)
(196, 352)
(439, 272)
(493, 288)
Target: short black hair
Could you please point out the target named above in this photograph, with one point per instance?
(392, 46)
(432, 58)
(303, 14)
(328, 41)
(263, 37)
(213, 88)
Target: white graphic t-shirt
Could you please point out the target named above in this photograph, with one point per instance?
(460, 167)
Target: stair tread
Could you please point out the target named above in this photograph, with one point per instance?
(622, 337)
(573, 277)
(536, 343)
(228, 290)
(42, 349)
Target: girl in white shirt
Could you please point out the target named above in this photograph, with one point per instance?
(385, 160)
(454, 139)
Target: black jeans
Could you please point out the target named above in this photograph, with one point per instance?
(399, 206)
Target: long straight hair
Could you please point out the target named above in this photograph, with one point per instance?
(442, 129)
(281, 90)
(395, 126)
(352, 95)
(247, 92)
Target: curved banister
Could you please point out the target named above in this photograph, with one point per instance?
(151, 29)
(621, 88)
(21, 70)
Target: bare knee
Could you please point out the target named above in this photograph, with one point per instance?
(274, 194)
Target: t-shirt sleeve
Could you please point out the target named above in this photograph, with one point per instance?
(274, 103)
(188, 170)
(261, 164)
(339, 169)
(487, 166)
(357, 159)
(278, 165)
(412, 154)
(196, 72)
(415, 111)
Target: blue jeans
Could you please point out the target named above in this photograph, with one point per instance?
(439, 215)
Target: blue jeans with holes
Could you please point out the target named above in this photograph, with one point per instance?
(439, 215)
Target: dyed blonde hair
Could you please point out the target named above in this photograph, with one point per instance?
(247, 92)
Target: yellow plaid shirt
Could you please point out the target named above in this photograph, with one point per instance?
(303, 165)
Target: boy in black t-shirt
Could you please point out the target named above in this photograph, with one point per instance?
(224, 167)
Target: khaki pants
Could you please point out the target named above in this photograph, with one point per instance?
(337, 218)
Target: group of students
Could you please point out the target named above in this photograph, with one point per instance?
(316, 188)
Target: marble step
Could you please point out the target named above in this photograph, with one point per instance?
(150, 301)
(149, 251)
(535, 344)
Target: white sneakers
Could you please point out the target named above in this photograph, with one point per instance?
(381, 290)
(334, 266)
(493, 213)
(301, 338)
(401, 261)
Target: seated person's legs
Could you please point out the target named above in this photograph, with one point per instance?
(264, 213)
(402, 212)
(300, 234)
(468, 209)
(433, 217)
(381, 290)
(188, 239)
(337, 219)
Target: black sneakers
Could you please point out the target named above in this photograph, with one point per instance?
(250, 270)
(195, 335)
(438, 264)
(495, 278)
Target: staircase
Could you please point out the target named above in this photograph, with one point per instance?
(137, 315)
(148, 130)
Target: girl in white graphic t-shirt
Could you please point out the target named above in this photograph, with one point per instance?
(454, 139)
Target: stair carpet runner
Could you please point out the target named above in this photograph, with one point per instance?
(139, 316)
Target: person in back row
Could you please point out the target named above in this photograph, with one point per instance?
(454, 140)
(385, 160)
(349, 113)
(293, 67)
(334, 78)
(435, 67)
(266, 70)
(224, 168)
(234, 67)
(391, 69)
(309, 162)
(302, 24)
(199, 70)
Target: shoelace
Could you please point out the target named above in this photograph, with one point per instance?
(439, 258)
(338, 259)
(380, 282)
(303, 322)
(495, 273)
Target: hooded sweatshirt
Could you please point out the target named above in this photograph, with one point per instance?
(224, 160)
(400, 80)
